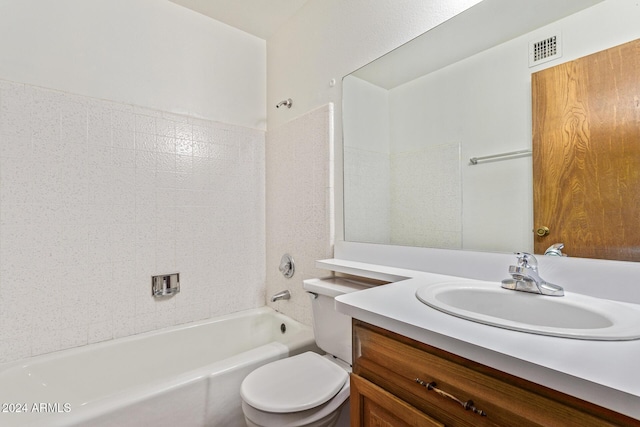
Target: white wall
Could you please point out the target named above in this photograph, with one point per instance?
(483, 103)
(367, 108)
(390, 190)
(143, 52)
(367, 163)
(426, 197)
(103, 184)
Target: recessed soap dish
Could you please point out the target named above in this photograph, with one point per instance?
(165, 285)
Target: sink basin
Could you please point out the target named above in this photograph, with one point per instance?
(571, 316)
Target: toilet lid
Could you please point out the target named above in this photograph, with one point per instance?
(293, 384)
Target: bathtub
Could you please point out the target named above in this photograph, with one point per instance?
(185, 376)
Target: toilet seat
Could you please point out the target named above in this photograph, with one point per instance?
(294, 384)
(321, 416)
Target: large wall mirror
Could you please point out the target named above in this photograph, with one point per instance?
(438, 133)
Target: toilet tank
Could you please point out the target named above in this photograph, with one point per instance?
(332, 329)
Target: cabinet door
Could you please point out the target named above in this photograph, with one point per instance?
(371, 406)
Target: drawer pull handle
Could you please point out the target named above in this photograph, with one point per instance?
(468, 405)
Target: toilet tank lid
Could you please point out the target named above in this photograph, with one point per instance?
(334, 286)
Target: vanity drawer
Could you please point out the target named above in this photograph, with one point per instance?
(441, 385)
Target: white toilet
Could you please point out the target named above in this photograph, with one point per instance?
(307, 389)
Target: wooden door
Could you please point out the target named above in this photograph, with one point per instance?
(586, 154)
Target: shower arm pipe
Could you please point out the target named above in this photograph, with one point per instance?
(287, 103)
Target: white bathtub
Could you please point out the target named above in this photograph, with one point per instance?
(184, 376)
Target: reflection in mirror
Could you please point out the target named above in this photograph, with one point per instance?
(586, 135)
(414, 118)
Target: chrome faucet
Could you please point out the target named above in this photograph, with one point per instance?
(525, 277)
(281, 295)
(555, 250)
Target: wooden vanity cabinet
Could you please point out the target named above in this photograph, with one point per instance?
(397, 381)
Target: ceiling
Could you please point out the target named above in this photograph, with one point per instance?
(258, 17)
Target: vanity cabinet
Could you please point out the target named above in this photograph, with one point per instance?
(397, 381)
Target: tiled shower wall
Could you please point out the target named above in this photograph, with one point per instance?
(367, 196)
(97, 196)
(389, 198)
(299, 194)
(426, 197)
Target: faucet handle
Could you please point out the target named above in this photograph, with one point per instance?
(287, 266)
(527, 260)
(555, 250)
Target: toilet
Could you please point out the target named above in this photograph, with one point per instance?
(307, 389)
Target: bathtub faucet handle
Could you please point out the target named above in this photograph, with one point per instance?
(287, 266)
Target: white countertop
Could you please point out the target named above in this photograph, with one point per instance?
(601, 372)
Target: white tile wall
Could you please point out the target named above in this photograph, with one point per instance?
(426, 197)
(299, 158)
(97, 196)
(367, 196)
(392, 198)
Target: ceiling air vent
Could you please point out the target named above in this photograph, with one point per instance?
(545, 50)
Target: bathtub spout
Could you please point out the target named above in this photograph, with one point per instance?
(281, 295)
